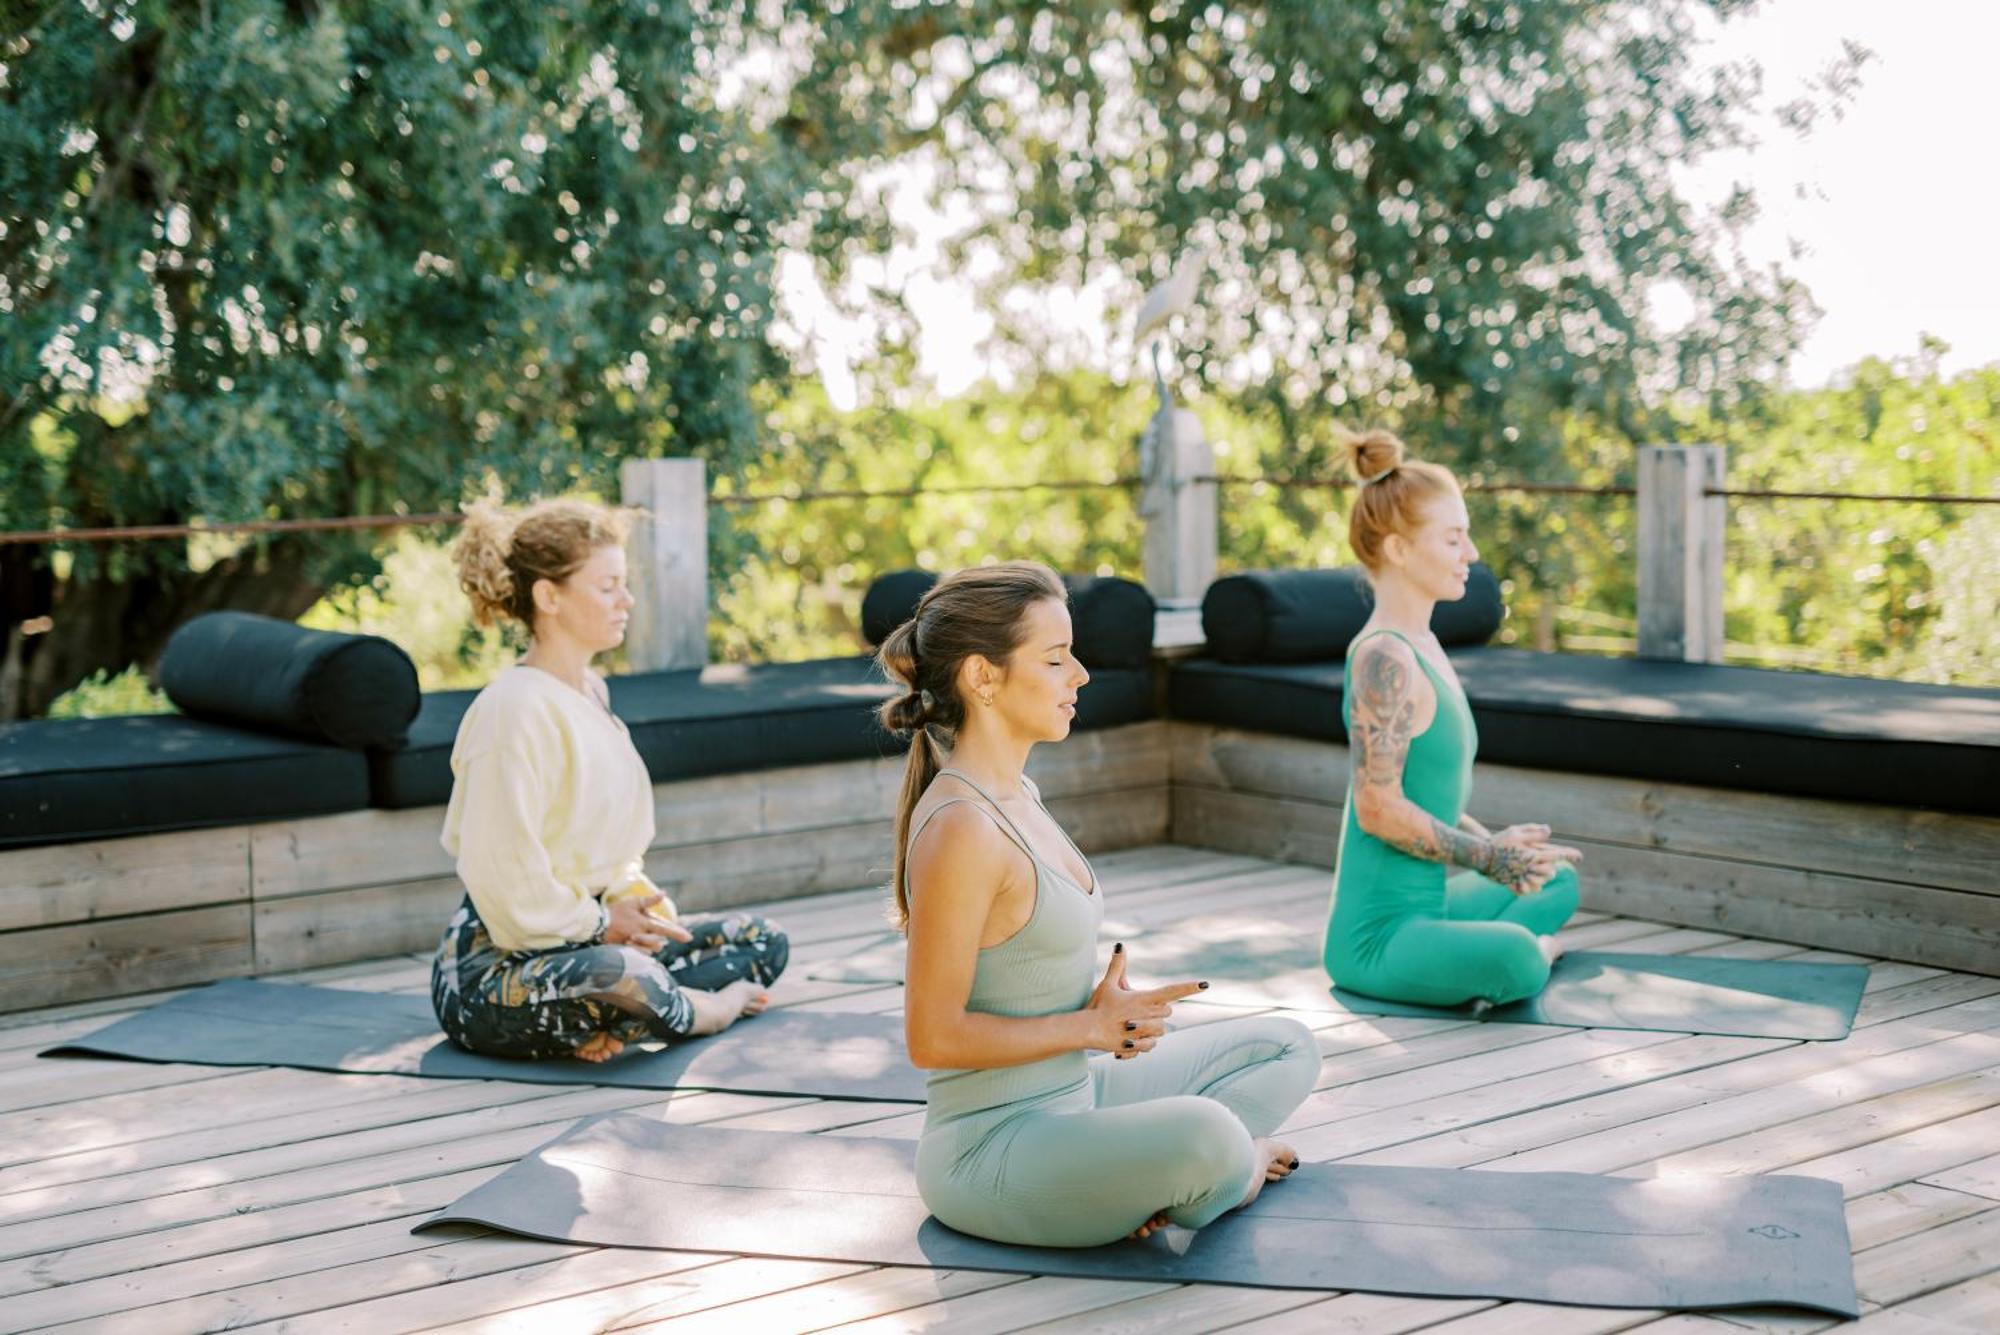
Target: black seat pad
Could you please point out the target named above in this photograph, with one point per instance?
(1802, 733)
(728, 719)
(70, 779)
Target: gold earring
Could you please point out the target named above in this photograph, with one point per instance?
(986, 700)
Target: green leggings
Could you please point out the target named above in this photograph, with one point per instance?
(1483, 948)
(1169, 1130)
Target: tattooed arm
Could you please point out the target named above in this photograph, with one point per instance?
(1390, 695)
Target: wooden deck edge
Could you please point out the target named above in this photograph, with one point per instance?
(110, 917)
(1917, 886)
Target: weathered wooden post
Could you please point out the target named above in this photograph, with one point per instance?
(1177, 502)
(1680, 553)
(668, 563)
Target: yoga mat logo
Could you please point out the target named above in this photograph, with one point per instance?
(1773, 1231)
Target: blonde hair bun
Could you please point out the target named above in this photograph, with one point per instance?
(500, 551)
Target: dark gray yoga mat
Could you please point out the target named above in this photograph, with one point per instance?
(625, 1180)
(1264, 962)
(1696, 994)
(244, 1023)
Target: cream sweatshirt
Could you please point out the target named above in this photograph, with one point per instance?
(551, 810)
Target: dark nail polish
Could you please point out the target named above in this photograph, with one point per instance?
(1204, 987)
(1118, 949)
(1295, 1163)
(1128, 1042)
(1130, 1025)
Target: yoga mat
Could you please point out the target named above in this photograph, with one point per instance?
(625, 1180)
(1695, 994)
(1266, 962)
(879, 959)
(245, 1023)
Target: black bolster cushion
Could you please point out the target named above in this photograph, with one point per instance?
(357, 691)
(891, 600)
(1111, 617)
(1305, 616)
(1112, 620)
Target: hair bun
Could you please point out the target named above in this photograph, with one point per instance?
(907, 712)
(1374, 454)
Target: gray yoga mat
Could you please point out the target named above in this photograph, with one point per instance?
(1696, 994)
(245, 1023)
(1265, 962)
(879, 959)
(626, 1180)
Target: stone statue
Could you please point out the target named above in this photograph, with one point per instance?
(1177, 496)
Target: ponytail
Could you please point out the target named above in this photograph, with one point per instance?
(980, 610)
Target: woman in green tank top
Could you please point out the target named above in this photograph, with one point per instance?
(1404, 925)
(1028, 1137)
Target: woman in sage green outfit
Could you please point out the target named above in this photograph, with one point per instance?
(1027, 1137)
(1404, 925)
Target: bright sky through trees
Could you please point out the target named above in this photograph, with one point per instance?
(1895, 205)
(1887, 213)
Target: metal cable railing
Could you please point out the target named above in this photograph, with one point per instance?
(153, 532)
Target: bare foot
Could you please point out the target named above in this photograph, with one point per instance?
(1151, 1226)
(1279, 1159)
(599, 1048)
(1552, 949)
(716, 1011)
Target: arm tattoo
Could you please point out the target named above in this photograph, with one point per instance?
(1384, 723)
(1461, 848)
(1384, 719)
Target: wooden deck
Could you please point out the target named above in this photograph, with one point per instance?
(181, 1198)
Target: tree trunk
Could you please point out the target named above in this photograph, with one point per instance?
(105, 625)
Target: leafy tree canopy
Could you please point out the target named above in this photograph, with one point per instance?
(1446, 214)
(264, 258)
(319, 257)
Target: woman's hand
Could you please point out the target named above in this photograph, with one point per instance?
(1524, 860)
(1127, 1021)
(631, 924)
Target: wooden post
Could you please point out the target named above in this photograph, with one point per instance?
(669, 563)
(1680, 553)
(1178, 505)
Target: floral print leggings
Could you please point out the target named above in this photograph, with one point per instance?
(548, 1003)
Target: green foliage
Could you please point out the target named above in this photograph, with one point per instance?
(265, 258)
(359, 253)
(788, 577)
(1443, 216)
(1865, 587)
(108, 694)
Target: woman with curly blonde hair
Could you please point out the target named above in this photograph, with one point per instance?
(563, 946)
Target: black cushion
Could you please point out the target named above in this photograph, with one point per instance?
(1112, 617)
(1308, 616)
(69, 779)
(891, 600)
(1802, 733)
(1112, 620)
(260, 672)
(729, 719)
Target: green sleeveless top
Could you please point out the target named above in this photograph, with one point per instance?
(1047, 967)
(1377, 886)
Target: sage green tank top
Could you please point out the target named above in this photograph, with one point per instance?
(1377, 886)
(1047, 967)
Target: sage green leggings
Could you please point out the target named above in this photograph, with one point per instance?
(1169, 1130)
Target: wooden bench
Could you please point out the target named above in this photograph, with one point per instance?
(111, 916)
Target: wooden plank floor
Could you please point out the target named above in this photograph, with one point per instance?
(179, 1198)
